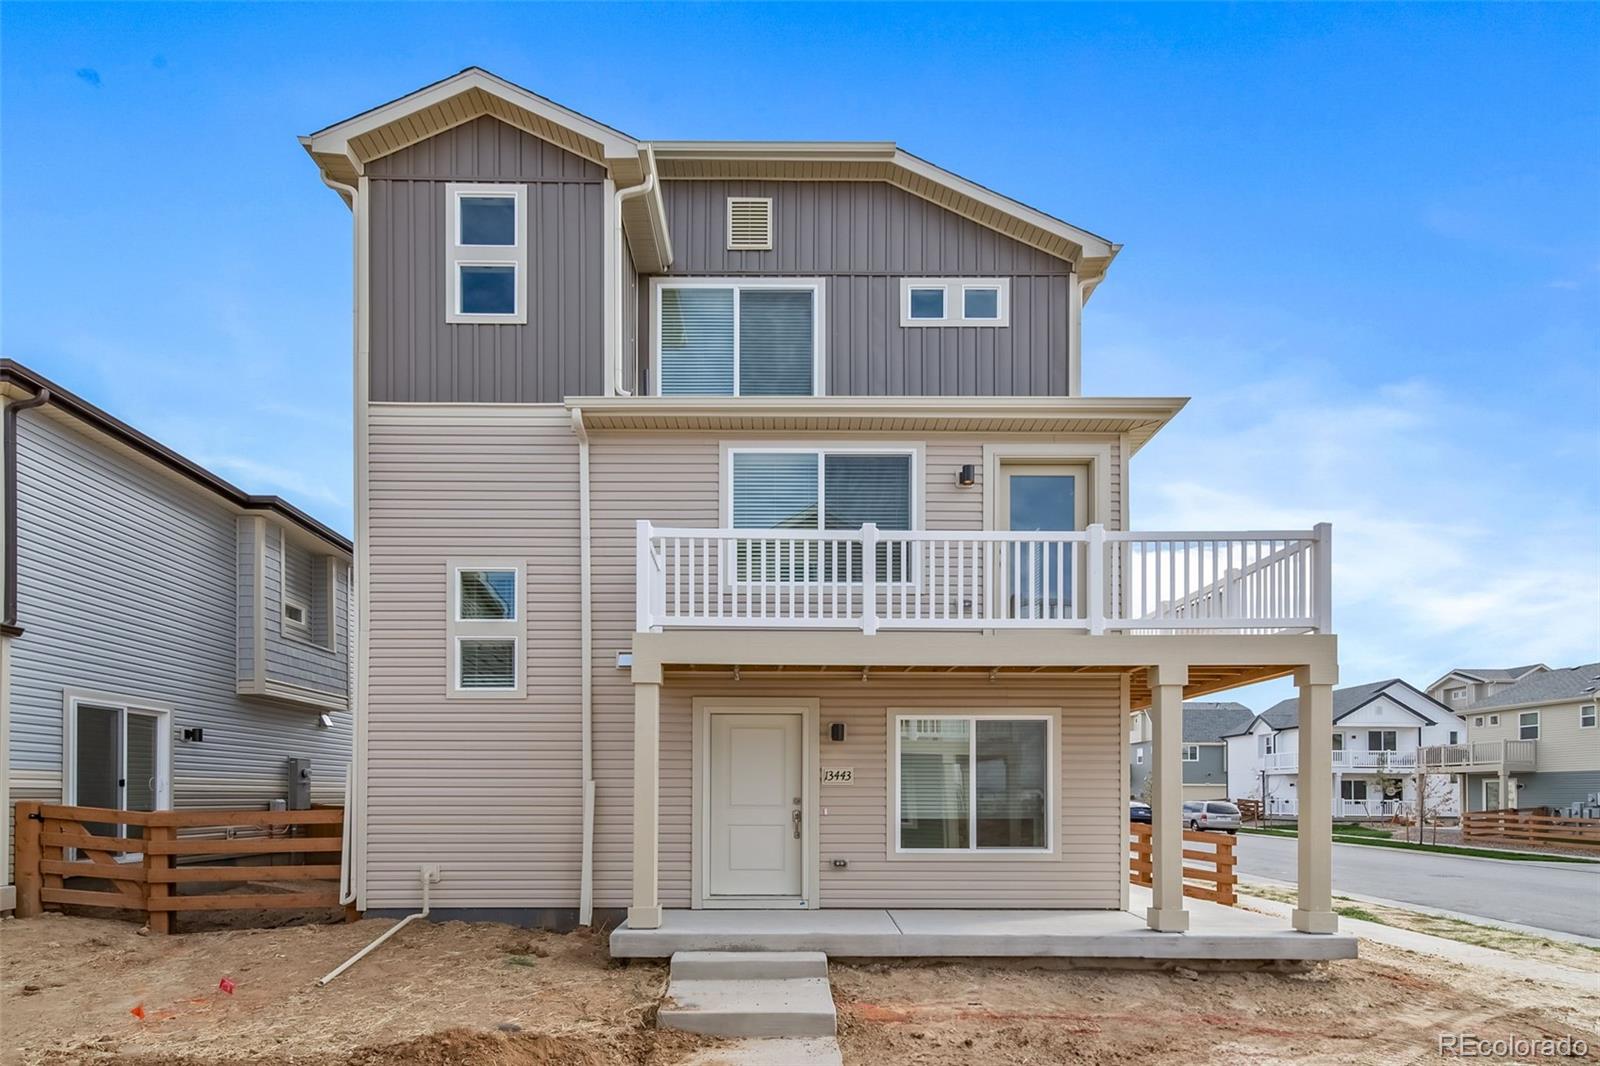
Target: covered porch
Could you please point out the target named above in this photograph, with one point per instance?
(1216, 933)
(1157, 671)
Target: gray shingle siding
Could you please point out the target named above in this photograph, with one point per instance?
(128, 584)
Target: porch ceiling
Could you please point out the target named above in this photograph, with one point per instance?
(1214, 663)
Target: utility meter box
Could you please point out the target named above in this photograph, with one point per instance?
(299, 784)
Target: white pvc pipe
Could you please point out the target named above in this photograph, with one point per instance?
(387, 933)
(629, 193)
(586, 684)
(346, 895)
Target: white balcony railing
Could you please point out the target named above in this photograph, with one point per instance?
(1482, 755)
(1091, 580)
(1343, 808)
(1289, 761)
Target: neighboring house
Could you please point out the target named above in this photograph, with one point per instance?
(1464, 686)
(1205, 748)
(168, 641)
(1377, 732)
(733, 533)
(1532, 744)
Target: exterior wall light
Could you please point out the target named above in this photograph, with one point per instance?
(967, 476)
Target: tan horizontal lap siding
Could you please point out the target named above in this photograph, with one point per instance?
(488, 788)
(1087, 873)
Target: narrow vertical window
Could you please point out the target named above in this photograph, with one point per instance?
(487, 629)
(486, 256)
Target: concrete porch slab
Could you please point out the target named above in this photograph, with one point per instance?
(1216, 933)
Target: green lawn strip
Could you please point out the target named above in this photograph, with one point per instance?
(1367, 840)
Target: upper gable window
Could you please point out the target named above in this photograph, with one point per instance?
(955, 301)
(486, 257)
(750, 337)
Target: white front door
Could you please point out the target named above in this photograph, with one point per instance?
(756, 810)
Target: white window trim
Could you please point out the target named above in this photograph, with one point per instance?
(458, 255)
(821, 451)
(1191, 753)
(819, 340)
(459, 629)
(71, 698)
(772, 224)
(1494, 719)
(1592, 711)
(1138, 756)
(1049, 715)
(302, 628)
(955, 302)
(1523, 724)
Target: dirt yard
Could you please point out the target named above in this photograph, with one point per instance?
(80, 990)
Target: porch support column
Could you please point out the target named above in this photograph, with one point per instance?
(645, 913)
(1315, 828)
(1166, 913)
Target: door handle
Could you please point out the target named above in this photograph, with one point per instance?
(795, 817)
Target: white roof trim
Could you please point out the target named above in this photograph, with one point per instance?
(335, 139)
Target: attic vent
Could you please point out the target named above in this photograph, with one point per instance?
(749, 223)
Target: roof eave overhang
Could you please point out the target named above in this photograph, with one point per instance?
(1139, 419)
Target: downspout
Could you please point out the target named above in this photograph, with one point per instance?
(623, 195)
(354, 786)
(586, 685)
(41, 398)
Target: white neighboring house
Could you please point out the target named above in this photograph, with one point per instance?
(1468, 685)
(1377, 731)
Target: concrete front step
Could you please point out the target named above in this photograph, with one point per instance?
(771, 1051)
(747, 965)
(749, 994)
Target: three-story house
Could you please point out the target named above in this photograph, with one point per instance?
(733, 536)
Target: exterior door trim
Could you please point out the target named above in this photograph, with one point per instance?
(71, 698)
(810, 710)
(1096, 456)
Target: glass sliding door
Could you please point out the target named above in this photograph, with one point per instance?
(118, 757)
(98, 762)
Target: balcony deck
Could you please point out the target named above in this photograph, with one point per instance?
(1482, 757)
(1093, 581)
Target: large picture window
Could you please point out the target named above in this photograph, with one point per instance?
(760, 337)
(973, 783)
(820, 490)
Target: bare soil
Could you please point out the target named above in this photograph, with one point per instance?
(72, 990)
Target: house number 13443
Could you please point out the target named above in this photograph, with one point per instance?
(838, 774)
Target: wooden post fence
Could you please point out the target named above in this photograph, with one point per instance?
(1207, 874)
(55, 842)
(1531, 827)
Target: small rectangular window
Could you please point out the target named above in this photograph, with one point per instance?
(1382, 740)
(1454, 737)
(1478, 722)
(1586, 716)
(955, 301)
(1494, 719)
(486, 254)
(1528, 725)
(1191, 753)
(1353, 789)
(1458, 694)
(487, 628)
(1138, 757)
(294, 614)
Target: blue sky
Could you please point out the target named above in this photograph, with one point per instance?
(1366, 240)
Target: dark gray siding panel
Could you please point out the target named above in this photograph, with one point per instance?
(416, 355)
(862, 238)
(486, 149)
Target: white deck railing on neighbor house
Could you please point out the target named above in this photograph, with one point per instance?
(1288, 762)
(1092, 580)
(1343, 808)
(1481, 755)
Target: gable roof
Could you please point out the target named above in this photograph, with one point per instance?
(33, 383)
(1551, 686)
(1479, 673)
(342, 150)
(1285, 714)
(1209, 722)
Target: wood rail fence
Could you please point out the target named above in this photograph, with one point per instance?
(1213, 878)
(1531, 827)
(137, 852)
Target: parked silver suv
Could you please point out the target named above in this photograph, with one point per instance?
(1211, 814)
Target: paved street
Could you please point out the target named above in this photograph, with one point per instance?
(1563, 896)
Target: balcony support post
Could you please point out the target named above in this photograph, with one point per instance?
(1096, 580)
(869, 578)
(1166, 913)
(1314, 823)
(645, 911)
(644, 584)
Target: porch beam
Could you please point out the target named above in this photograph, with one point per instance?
(1166, 913)
(645, 911)
(1314, 822)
